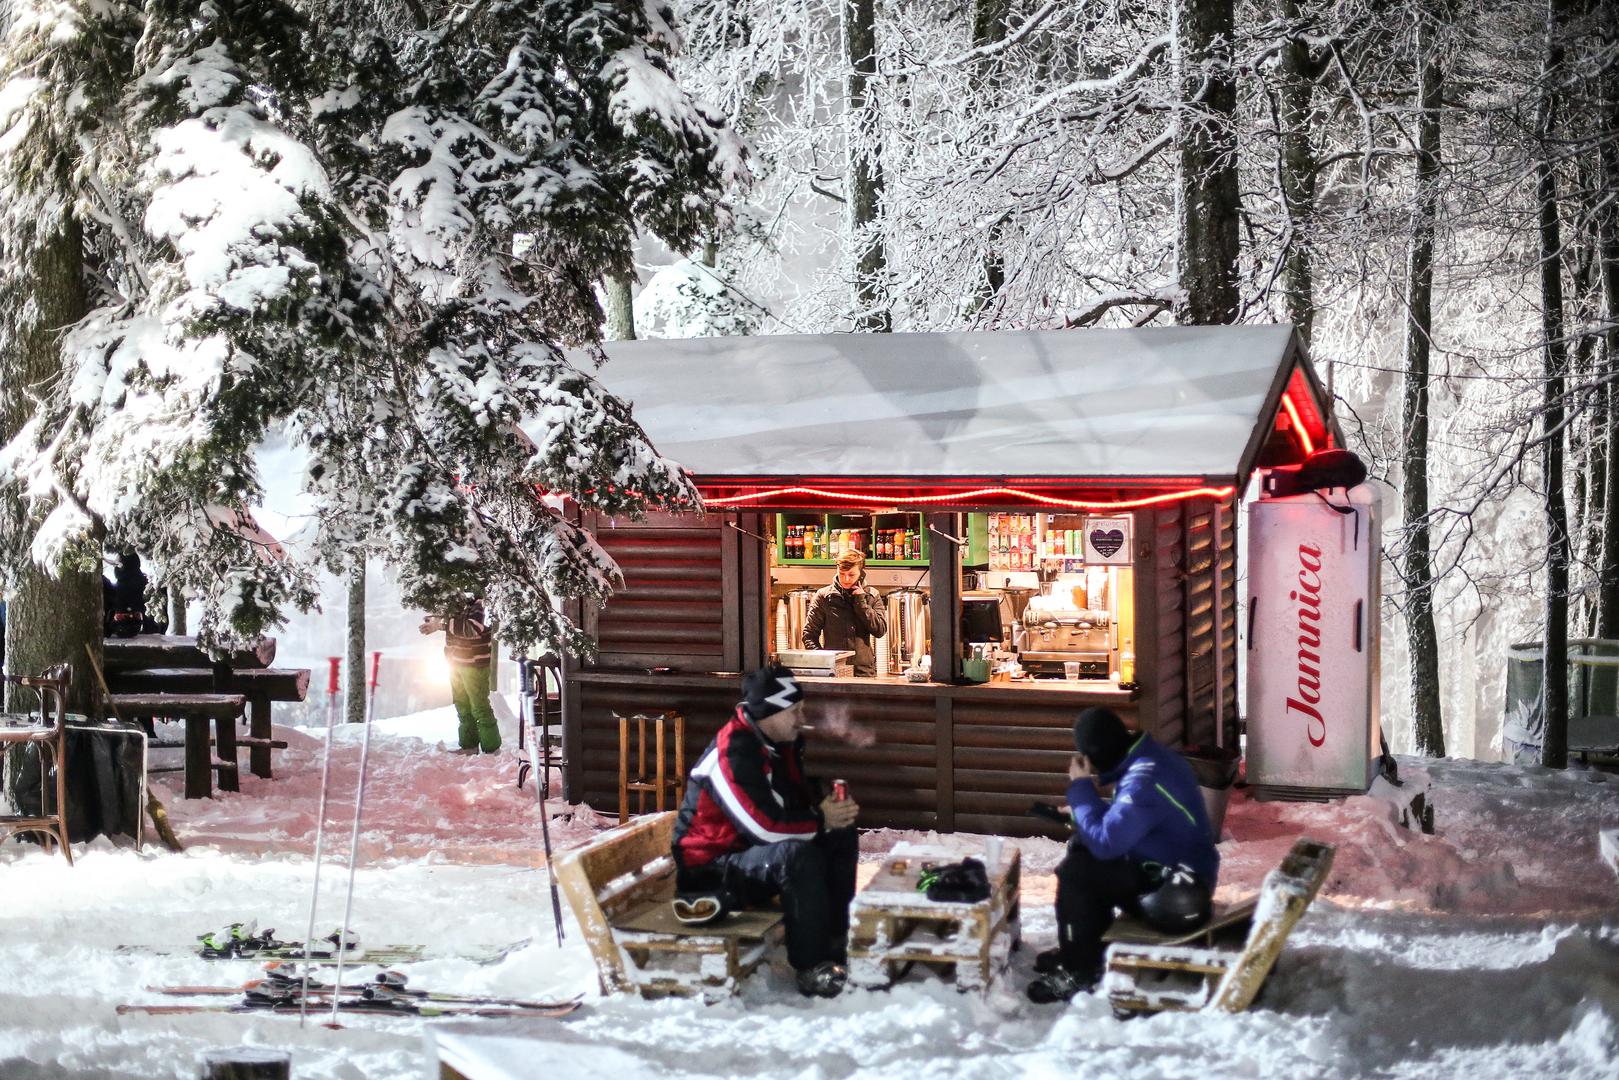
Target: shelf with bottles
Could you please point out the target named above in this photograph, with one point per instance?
(818, 539)
(1055, 542)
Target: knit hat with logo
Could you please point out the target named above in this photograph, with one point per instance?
(770, 690)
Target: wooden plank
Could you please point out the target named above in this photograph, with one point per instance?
(199, 767)
(225, 746)
(179, 650)
(944, 604)
(945, 764)
(258, 725)
(729, 596)
(176, 705)
(275, 684)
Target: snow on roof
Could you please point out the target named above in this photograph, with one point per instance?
(1156, 401)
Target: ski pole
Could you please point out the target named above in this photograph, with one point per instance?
(354, 835)
(320, 832)
(541, 793)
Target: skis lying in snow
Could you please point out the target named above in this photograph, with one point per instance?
(243, 941)
(291, 1006)
(281, 983)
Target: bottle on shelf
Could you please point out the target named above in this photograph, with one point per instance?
(1127, 663)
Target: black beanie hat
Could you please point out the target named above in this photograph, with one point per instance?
(770, 690)
(1101, 736)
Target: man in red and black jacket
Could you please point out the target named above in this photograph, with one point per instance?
(750, 828)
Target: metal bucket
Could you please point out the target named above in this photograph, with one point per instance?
(1216, 771)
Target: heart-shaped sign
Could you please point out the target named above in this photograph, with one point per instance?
(1107, 541)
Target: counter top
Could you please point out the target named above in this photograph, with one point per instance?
(884, 685)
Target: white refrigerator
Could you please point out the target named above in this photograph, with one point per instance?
(1313, 642)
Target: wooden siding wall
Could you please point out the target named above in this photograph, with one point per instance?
(1168, 577)
(1007, 758)
(705, 709)
(671, 610)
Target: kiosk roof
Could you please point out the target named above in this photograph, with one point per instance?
(1155, 401)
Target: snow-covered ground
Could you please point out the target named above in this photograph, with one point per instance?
(1490, 949)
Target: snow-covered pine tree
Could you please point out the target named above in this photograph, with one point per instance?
(382, 240)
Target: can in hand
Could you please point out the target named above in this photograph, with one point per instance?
(840, 791)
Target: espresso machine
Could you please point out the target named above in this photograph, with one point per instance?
(1056, 636)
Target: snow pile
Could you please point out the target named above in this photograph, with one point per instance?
(1490, 948)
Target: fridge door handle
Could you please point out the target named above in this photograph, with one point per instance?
(1360, 611)
(1253, 603)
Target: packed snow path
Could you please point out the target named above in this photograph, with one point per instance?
(1489, 950)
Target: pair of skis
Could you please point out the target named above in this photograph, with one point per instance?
(284, 990)
(242, 941)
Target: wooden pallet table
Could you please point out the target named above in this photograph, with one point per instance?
(892, 925)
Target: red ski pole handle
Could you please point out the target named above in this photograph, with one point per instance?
(331, 678)
(376, 664)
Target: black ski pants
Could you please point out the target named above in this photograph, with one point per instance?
(1089, 890)
(814, 878)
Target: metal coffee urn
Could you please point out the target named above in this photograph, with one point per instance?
(908, 628)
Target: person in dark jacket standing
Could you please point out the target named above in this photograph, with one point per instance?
(847, 615)
(123, 601)
(1150, 851)
(469, 645)
(750, 828)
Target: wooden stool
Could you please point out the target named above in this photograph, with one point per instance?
(660, 783)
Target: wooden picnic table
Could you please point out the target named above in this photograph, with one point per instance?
(201, 760)
(260, 686)
(179, 651)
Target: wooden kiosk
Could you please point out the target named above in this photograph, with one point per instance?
(964, 459)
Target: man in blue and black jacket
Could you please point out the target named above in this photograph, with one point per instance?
(1149, 851)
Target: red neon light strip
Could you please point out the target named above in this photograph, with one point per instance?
(960, 496)
(1298, 424)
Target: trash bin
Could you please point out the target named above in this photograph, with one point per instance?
(1593, 690)
(1216, 771)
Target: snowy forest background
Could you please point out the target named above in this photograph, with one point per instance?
(1426, 189)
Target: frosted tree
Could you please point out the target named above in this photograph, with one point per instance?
(307, 216)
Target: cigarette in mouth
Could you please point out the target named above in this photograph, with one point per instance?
(806, 727)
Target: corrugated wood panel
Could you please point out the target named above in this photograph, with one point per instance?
(1169, 554)
(1230, 641)
(671, 608)
(1006, 758)
(894, 778)
(1203, 681)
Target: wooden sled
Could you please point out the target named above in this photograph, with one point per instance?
(620, 887)
(1177, 976)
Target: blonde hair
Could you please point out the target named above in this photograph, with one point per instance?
(854, 559)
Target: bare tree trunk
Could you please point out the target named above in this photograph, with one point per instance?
(864, 141)
(354, 691)
(1554, 668)
(990, 23)
(620, 308)
(1207, 200)
(1608, 232)
(177, 610)
(1427, 716)
(1297, 174)
(49, 620)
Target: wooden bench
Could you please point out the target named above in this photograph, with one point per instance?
(620, 886)
(1172, 976)
(260, 686)
(225, 710)
(178, 650)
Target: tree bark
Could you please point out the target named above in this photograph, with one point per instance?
(864, 147)
(620, 308)
(1422, 639)
(990, 23)
(1554, 668)
(49, 619)
(177, 610)
(1608, 233)
(354, 690)
(1297, 176)
(1207, 200)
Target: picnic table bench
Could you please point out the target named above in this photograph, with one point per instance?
(201, 760)
(260, 686)
(178, 650)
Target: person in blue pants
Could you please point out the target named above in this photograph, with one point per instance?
(1149, 851)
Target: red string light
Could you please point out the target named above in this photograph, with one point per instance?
(963, 496)
(1298, 422)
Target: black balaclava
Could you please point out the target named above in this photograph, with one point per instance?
(770, 690)
(1101, 736)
